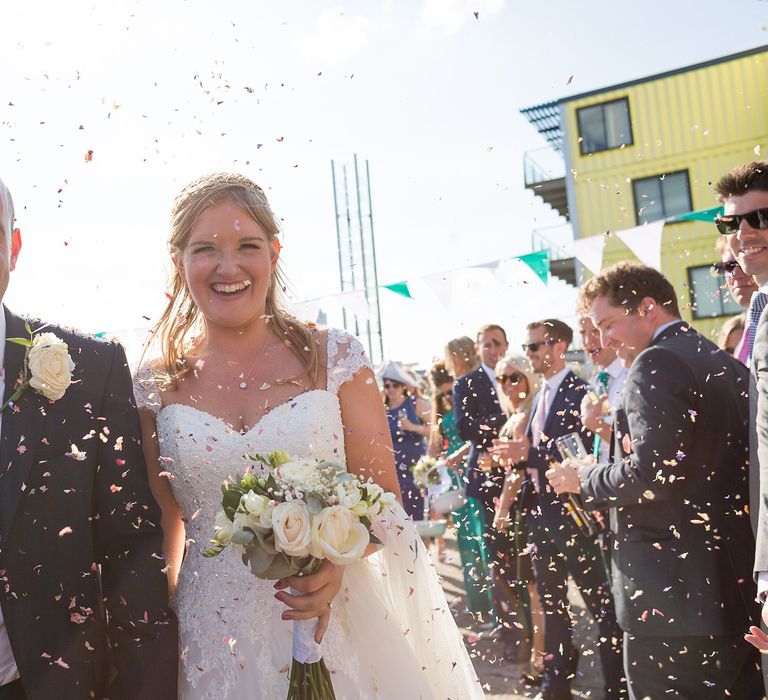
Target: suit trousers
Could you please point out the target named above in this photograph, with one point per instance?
(692, 668)
(12, 691)
(556, 556)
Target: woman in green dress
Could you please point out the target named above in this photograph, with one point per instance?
(468, 520)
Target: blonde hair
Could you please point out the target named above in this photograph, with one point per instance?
(523, 366)
(461, 351)
(182, 316)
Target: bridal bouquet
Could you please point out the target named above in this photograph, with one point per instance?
(426, 473)
(288, 514)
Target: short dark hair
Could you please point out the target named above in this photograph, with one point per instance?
(557, 330)
(743, 179)
(491, 327)
(627, 283)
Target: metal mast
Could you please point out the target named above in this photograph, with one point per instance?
(357, 252)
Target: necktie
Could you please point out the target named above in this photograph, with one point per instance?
(602, 391)
(541, 415)
(756, 305)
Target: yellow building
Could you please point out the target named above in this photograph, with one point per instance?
(652, 149)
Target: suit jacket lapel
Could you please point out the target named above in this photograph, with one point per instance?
(22, 426)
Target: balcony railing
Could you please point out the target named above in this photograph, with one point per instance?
(542, 165)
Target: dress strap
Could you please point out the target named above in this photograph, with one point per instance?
(346, 357)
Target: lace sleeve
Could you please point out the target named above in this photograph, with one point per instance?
(346, 357)
(146, 390)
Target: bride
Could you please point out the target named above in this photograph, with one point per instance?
(235, 374)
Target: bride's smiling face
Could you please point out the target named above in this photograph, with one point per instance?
(227, 264)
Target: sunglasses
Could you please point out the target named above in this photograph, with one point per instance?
(514, 377)
(728, 225)
(533, 347)
(392, 385)
(725, 268)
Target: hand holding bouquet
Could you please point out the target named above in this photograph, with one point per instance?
(426, 472)
(289, 514)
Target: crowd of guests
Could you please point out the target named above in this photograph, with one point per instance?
(662, 521)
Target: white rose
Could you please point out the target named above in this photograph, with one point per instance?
(292, 527)
(223, 528)
(351, 496)
(301, 470)
(338, 535)
(50, 366)
(254, 503)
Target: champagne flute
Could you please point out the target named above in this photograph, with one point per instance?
(570, 446)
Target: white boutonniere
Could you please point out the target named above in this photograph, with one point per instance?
(47, 366)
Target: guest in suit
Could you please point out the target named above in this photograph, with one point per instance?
(600, 405)
(478, 419)
(682, 552)
(742, 288)
(461, 358)
(744, 225)
(560, 547)
(84, 598)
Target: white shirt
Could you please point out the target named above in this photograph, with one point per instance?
(762, 577)
(617, 375)
(553, 383)
(664, 327)
(8, 670)
(492, 376)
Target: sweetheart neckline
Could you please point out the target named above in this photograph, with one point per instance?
(258, 422)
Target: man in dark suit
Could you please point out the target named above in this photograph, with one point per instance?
(84, 599)
(561, 547)
(682, 552)
(743, 191)
(479, 418)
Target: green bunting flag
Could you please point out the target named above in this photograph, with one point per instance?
(400, 288)
(539, 263)
(701, 215)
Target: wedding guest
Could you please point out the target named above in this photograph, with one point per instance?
(478, 419)
(467, 518)
(682, 549)
(561, 549)
(731, 333)
(409, 427)
(744, 225)
(599, 406)
(743, 289)
(84, 598)
(519, 385)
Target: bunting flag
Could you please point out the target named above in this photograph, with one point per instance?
(645, 242)
(589, 252)
(400, 288)
(707, 215)
(539, 263)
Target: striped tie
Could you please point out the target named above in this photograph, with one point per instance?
(602, 390)
(756, 305)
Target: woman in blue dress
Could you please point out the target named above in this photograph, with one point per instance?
(408, 416)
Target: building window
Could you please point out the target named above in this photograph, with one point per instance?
(710, 297)
(661, 196)
(604, 126)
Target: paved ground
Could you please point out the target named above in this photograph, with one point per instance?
(501, 680)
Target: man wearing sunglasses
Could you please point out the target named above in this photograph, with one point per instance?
(560, 548)
(744, 194)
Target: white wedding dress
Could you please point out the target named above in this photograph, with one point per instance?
(391, 634)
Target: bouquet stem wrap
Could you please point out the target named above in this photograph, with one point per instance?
(305, 649)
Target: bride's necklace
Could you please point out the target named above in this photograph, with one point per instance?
(244, 378)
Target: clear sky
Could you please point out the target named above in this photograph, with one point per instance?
(426, 90)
